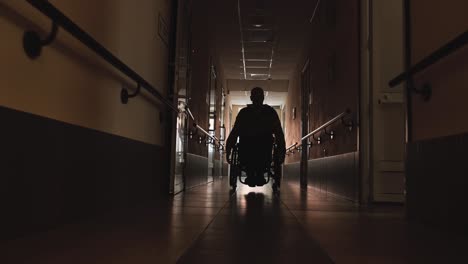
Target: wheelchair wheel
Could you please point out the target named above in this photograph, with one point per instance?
(277, 177)
(235, 170)
(275, 188)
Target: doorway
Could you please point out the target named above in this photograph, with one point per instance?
(181, 87)
(383, 133)
(305, 108)
(212, 122)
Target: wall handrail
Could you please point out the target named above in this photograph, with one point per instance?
(195, 124)
(292, 146)
(214, 138)
(60, 20)
(298, 146)
(444, 51)
(325, 125)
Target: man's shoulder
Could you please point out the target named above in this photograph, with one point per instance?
(243, 113)
(244, 110)
(269, 109)
(257, 109)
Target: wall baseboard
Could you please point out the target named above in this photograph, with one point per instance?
(196, 171)
(292, 172)
(218, 168)
(54, 173)
(437, 182)
(226, 167)
(336, 175)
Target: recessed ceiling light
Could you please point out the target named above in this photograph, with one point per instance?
(255, 67)
(263, 60)
(258, 74)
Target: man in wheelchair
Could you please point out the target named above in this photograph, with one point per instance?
(258, 127)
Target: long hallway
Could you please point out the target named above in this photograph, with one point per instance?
(125, 124)
(210, 224)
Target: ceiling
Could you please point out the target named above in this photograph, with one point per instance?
(247, 85)
(260, 39)
(271, 98)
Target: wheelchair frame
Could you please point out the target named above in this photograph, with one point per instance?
(274, 172)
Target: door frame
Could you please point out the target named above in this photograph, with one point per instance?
(305, 123)
(181, 17)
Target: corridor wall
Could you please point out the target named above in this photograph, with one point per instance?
(69, 149)
(197, 158)
(220, 164)
(436, 166)
(203, 57)
(331, 66)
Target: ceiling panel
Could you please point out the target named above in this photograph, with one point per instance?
(282, 24)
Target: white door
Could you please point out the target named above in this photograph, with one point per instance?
(387, 104)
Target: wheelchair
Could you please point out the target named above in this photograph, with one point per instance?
(272, 169)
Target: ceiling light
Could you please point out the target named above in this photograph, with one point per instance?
(264, 60)
(258, 41)
(258, 21)
(242, 37)
(255, 67)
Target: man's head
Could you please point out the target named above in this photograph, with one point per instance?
(257, 96)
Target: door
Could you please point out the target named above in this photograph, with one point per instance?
(388, 104)
(180, 147)
(181, 83)
(212, 122)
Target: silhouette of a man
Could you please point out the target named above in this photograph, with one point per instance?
(257, 127)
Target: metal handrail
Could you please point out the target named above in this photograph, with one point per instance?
(190, 112)
(59, 19)
(292, 146)
(434, 57)
(208, 134)
(322, 127)
(333, 120)
(214, 138)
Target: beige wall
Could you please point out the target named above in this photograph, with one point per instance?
(279, 113)
(435, 23)
(293, 126)
(71, 84)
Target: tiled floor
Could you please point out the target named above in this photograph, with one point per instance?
(255, 227)
(208, 224)
(379, 234)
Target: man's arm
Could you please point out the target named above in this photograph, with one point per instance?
(279, 137)
(232, 139)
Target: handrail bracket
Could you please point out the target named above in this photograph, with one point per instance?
(32, 42)
(124, 95)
